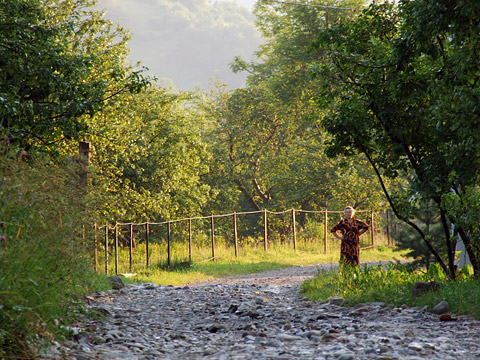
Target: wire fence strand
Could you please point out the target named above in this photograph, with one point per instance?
(161, 241)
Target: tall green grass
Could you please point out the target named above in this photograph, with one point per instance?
(393, 285)
(44, 268)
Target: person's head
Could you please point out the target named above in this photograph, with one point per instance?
(349, 212)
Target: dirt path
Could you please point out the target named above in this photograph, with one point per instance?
(291, 276)
(261, 316)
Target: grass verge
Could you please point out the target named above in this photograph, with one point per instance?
(250, 259)
(393, 285)
(44, 271)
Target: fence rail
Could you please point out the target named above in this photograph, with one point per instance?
(106, 229)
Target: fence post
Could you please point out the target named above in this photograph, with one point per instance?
(131, 245)
(168, 244)
(373, 231)
(116, 248)
(84, 157)
(146, 239)
(325, 231)
(95, 247)
(213, 238)
(294, 231)
(388, 228)
(106, 248)
(235, 233)
(190, 239)
(265, 230)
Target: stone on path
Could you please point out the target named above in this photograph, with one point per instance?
(422, 287)
(441, 308)
(116, 282)
(335, 300)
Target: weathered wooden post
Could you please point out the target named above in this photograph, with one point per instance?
(131, 246)
(372, 229)
(95, 253)
(190, 239)
(146, 239)
(235, 235)
(116, 248)
(106, 248)
(265, 229)
(213, 237)
(168, 244)
(325, 232)
(294, 229)
(388, 228)
(84, 157)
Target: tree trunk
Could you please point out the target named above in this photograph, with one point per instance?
(248, 197)
(470, 251)
(400, 217)
(450, 247)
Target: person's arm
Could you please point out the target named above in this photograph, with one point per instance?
(363, 227)
(334, 231)
(336, 235)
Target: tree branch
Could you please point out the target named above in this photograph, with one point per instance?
(248, 197)
(265, 196)
(448, 240)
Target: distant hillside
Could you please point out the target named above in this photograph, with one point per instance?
(187, 42)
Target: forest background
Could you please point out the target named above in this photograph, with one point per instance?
(374, 109)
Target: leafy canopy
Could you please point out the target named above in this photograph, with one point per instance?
(59, 61)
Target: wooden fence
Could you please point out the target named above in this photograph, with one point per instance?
(107, 229)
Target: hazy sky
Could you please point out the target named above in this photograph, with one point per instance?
(247, 3)
(184, 43)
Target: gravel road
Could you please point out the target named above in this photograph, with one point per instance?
(260, 316)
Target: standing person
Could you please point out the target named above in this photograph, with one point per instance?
(350, 229)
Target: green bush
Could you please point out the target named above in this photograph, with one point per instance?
(43, 266)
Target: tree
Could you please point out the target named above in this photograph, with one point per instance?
(267, 151)
(148, 158)
(271, 148)
(427, 218)
(60, 62)
(407, 100)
